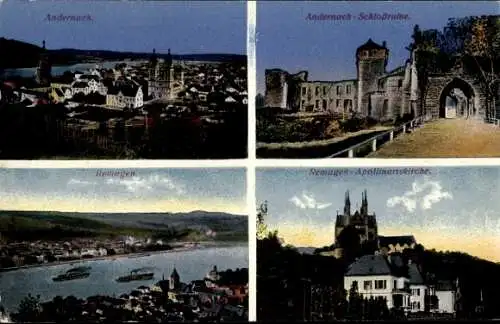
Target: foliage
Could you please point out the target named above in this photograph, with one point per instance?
(278, 129)
(29, 309)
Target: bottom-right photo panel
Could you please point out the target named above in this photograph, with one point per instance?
(378, 243)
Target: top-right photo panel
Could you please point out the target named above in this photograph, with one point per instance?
(378, 79)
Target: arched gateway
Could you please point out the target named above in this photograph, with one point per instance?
(455, 96)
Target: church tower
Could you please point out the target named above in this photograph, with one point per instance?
(153, 66)
(371, 63)
(169, 68)
(44, 69)
(364, 204)
(347, 204)
(175, 280)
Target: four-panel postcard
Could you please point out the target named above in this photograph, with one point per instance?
(249, 161)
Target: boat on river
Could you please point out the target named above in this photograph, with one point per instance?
(73, 274)
(137, 274)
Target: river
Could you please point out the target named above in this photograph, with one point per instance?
(191, 265)
(59, 70)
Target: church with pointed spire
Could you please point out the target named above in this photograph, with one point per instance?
(160, 76)
(364, 222)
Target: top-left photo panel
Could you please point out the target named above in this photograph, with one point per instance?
(123, 80)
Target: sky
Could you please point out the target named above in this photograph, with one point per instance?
(145, 190)
(449, 209)
(138, 26)
(287, 40)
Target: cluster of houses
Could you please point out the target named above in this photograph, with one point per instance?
(172, 300)
(18, 254)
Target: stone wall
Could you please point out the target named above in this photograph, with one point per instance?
(438, 83)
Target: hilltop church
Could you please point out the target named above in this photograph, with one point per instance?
(375, 93)
(366, 227)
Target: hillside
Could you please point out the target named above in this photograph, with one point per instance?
(188, 225)
(278, 264)
(11, 49)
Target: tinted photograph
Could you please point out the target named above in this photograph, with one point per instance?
(123, 80)
(144, 245)
(402, 244)
(378, 79)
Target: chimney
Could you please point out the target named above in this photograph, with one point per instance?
(384, 44)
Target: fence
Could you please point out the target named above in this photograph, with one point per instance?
(375, 142)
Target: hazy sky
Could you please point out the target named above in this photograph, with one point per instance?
(326, 48)
(449, 209)
(186, 28)
(148, 190)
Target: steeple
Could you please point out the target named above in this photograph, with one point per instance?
(168, 60)
(347, 204)
(364, 203)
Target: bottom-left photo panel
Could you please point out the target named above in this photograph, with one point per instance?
(141, 244)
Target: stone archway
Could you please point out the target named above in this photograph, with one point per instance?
(462, 94)
(440, 86)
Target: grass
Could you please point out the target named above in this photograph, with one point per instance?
(445, 138)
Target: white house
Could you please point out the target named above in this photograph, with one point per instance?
(446, 297)
(128, 96)
(80, 87)
(380, 276)
(418, 289)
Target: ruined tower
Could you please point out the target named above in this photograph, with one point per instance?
(371, 63)
(276, 88)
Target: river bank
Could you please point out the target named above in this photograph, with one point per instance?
(183, 248)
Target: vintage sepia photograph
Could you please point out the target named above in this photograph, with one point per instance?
(124, 245)
(412, 79)
(378, 244)
(123, 80)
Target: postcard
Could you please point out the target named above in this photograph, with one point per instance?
(378, 79)
(416, 243)
(146, 245)
(123, 80)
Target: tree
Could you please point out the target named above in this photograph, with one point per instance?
(30, 309)
(355, 302)
(483, 46)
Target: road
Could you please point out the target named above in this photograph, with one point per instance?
(445, 138)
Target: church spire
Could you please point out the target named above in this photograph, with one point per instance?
(364, 203)
(347, 204)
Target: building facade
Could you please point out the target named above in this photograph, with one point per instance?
(364, 223)
(375, 93)
(161, 77)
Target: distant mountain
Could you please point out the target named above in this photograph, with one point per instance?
(227, 226)
(17, 54)
(306, 250)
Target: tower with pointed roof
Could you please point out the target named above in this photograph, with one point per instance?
(364, 223)
(371, 63)
(174, 280)
(44, 69)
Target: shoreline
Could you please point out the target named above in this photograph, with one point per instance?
(199, 246)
